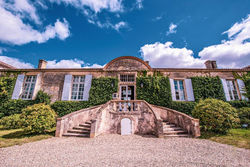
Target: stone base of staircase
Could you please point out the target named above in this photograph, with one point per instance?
(171, 130)
(82, 130)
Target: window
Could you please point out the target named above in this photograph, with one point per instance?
(179, 90)
(28, 87)
(127, 78)
(77, 88)
(233, 94)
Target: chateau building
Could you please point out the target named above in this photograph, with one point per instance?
(125, 114)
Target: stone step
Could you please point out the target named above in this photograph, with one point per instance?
(85, 125)
(178, 135)
(81, 128)
(174, 132)
(169, 126)
(89, 123)
(75, 135)
(78, 131)
(172, 129)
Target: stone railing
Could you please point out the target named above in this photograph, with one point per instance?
(125, 106)
(73, 119)
(190, 124)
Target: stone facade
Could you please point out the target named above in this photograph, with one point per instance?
(145, 118)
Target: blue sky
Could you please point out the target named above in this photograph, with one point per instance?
(90, 33)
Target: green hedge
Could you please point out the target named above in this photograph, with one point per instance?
(6, 88)
(154, 90)
(207, 87)
(101, 91)
(239, 104)
(183, 106)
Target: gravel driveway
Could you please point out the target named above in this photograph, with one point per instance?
(116, 150)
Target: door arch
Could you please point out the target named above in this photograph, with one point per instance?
(126, 126)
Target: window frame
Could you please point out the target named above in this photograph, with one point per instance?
(128, 77)
(30, 91)
(178, 86)
(230, 91)
(78, 84)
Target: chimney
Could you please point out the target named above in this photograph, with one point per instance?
(42, 64)
(211, 64)
(147, 62)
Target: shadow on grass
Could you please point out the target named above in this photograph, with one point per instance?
(23, 134)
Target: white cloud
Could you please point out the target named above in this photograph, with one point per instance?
(15, 62)
(118, 26)
(139, 4)
(74, 63)
(94, 5)
(162, 55)
(234, 52)
(14, 31)
(157, 18)
(171, 29)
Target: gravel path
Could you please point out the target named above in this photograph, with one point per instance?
(116, 150)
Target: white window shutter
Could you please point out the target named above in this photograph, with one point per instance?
(172, 89)
(18, 86)
(241, 88)
(189, 90)
(87, 86)
(67, 88)
(224, 83)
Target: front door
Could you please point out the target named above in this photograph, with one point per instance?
(127, 92)
(126, 126)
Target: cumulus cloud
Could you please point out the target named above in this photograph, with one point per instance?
(162, 55)
(139, 4)
(234, 52)
(94, 5)
(73, 63)
(15, 31)
(171, 29)
(15, 62)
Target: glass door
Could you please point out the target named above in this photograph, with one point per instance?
(127, 92)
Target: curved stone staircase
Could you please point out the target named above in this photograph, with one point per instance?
(82, 130)
(171, 130)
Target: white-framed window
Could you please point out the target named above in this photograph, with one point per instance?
(127, 78)
(77, 88)
(28, 87)
(179, 90)
(232, 89)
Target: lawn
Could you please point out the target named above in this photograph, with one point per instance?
(236, 137)
(18, 136)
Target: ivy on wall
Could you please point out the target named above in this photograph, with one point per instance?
(6, 88)
(207, 87)
(154, 89)
(101, 91)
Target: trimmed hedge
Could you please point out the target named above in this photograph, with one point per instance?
(183, 106)
(207, 87)
(244, 115)
(101, 91)
(154, 89)
(239, 104)
(11, 122)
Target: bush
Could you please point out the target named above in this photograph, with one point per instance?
(215, 115)
(11, 122)
(42, 97)
(14, 106)
(38, 118)
(65, 107)
(184, 107)
(244, 115)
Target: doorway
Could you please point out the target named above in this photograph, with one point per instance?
(126, 126)
(127, 92)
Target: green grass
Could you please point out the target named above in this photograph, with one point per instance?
(236, 137)
(10, 137)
